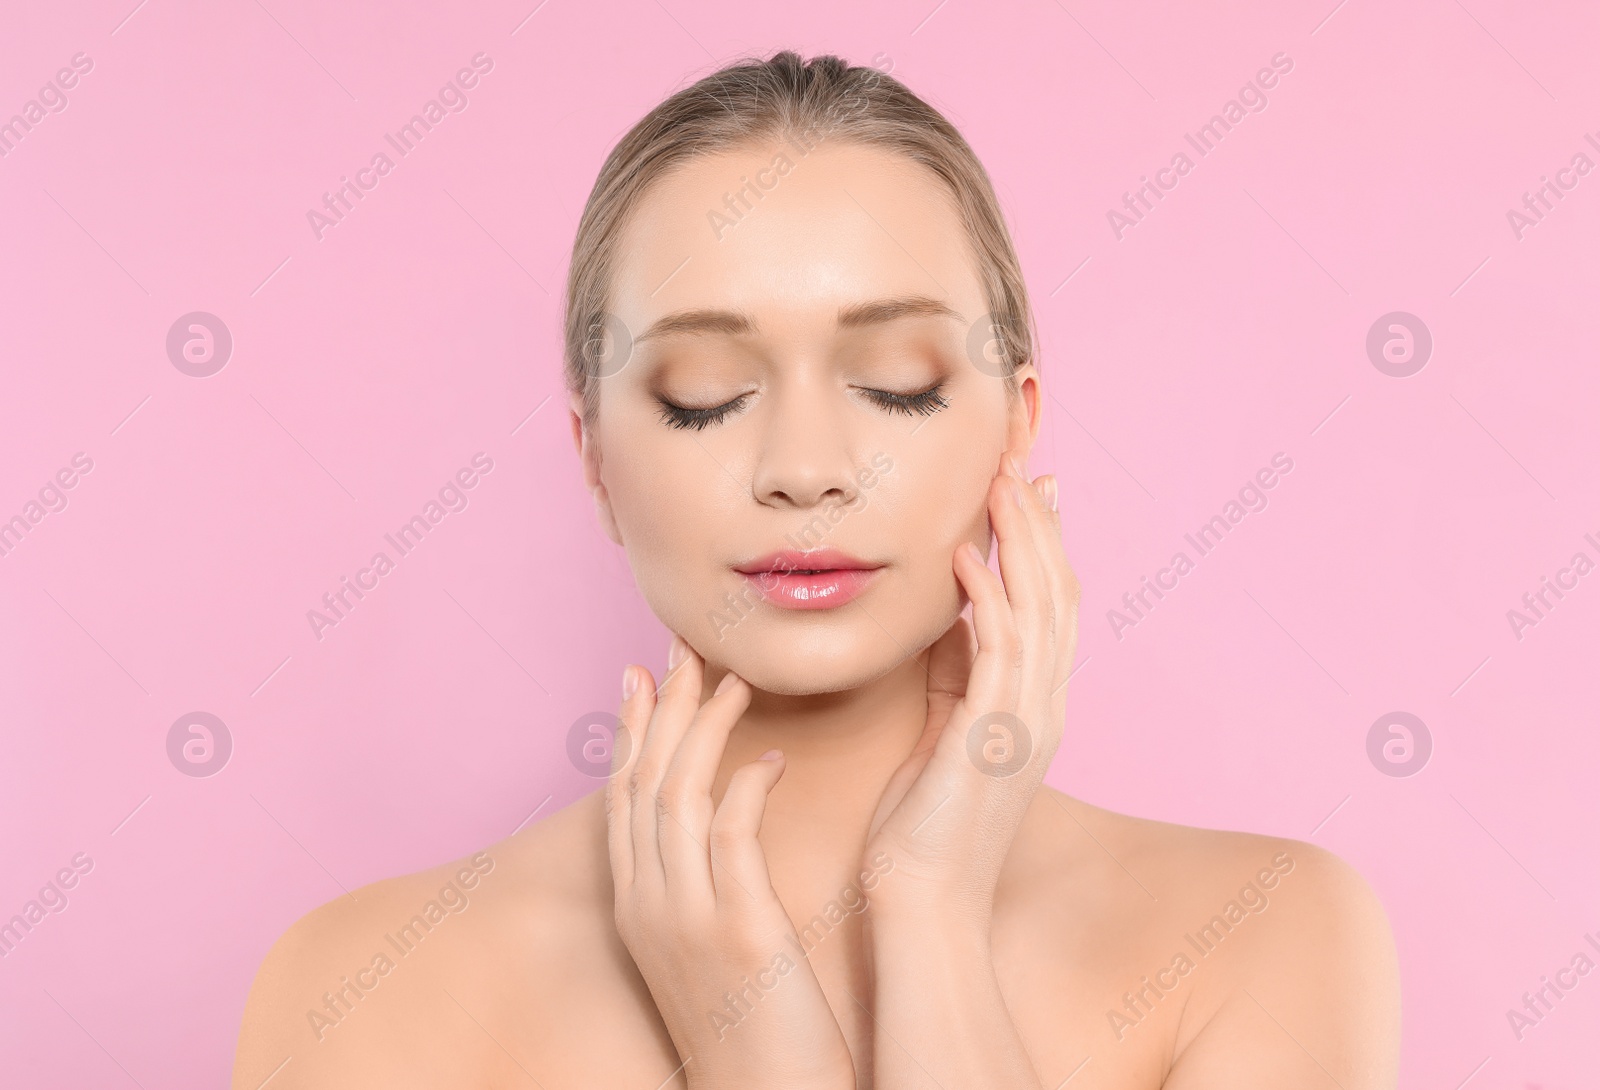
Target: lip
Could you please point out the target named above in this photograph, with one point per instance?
(818, 579)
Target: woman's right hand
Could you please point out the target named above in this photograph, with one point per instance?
(694, 902)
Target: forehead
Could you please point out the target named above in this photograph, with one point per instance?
(792, 237)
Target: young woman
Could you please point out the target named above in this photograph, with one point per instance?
(803, 391)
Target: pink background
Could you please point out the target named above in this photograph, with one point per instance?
(369, 366)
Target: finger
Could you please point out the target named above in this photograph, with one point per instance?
(950, 661)
(1022, 572)
(1044, 521)
(1031, 501)
(992, 684)
(685, 793)
(676, 701)
(1050, 490)
(1064, 596)
(1065, 590)
(632, 716)
(740, 873)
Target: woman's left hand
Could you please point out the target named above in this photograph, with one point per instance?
(995, 716)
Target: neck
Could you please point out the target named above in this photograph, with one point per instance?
(839, 751)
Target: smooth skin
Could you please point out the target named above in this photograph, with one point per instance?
(960, 928)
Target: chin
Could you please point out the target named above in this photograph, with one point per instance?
(781, 667)
(808, 654)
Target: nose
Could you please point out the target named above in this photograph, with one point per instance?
(804, 459)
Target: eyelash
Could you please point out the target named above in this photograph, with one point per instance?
(676, 416)
(926, 402)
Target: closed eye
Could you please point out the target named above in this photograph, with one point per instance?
(679, 416)
(923, 402)
(926, 402)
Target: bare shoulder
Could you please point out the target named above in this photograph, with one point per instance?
(1192, 862)
(404, 981)
(1279, 950)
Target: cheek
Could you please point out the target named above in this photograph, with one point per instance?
(667, 510)
(942, 503)
(655, 516)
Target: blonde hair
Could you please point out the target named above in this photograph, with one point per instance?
(789, 98)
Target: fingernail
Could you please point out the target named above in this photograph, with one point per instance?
(675, 653)
(772, 755)
(1050, 492)
(972, 551)
(1016, 493)
(726, 682)
(630, 682)
(1016, 470)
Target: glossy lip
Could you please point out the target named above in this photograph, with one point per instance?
(817, 579)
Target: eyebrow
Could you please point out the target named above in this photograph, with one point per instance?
(855, 316)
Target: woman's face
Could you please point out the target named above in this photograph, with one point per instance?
(800, 436)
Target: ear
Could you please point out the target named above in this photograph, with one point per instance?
(583, 440)
(1025, 410)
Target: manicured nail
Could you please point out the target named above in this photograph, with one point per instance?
(630, 682)
(1016, 493)
(1016, 470)
(675, 653)
(772, 755)
(1050, 492)
(972, 551)
(726, 682)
